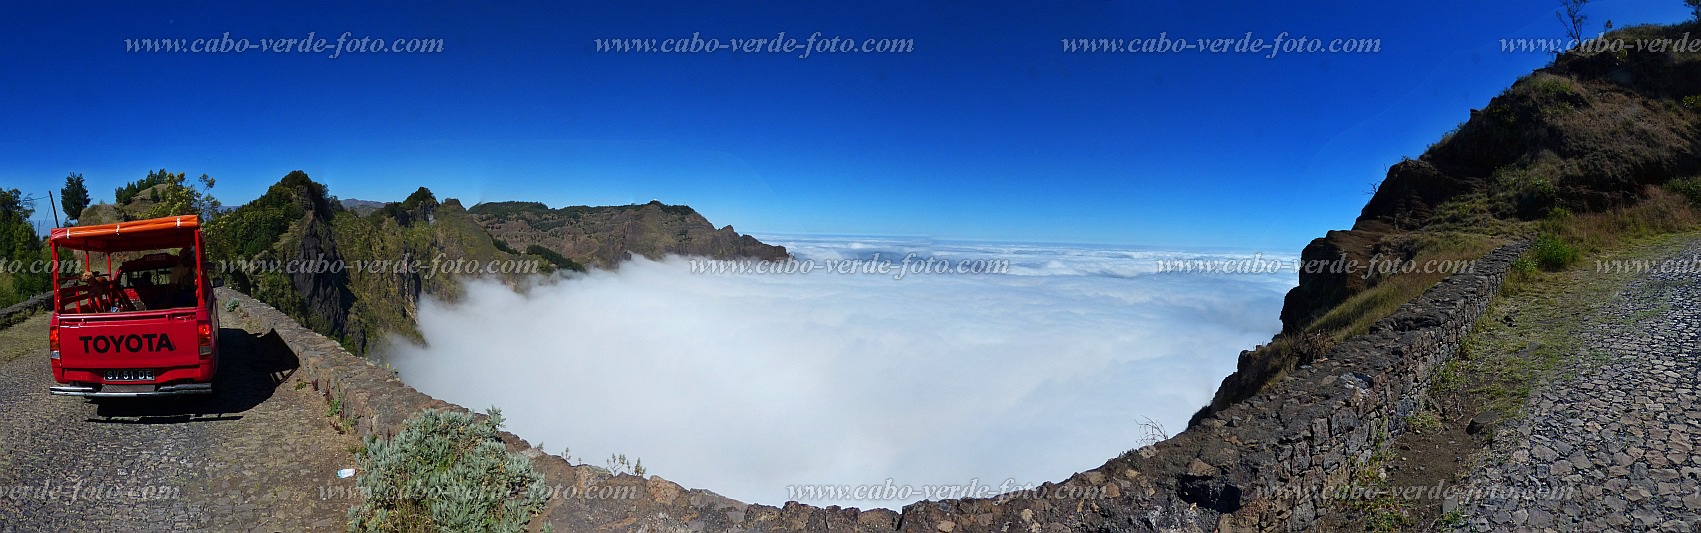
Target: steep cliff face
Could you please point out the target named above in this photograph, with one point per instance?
(355, 278)
(420, 229)
(291, 224)
(1324, 288)
(1590, 132)
(325, 295)
(605, 236)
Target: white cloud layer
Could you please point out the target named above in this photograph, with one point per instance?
(747, 384)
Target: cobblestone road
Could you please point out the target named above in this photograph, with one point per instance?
(1615, 445)
(260, 455)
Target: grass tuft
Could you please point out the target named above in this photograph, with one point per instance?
(1552, 254)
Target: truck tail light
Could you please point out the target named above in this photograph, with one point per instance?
(204, 339)
(53, 342)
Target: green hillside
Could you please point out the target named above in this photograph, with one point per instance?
(1593, 149)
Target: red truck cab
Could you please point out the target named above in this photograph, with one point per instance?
(145, 325)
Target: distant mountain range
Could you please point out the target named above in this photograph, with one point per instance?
(605, 236)
(361, 207)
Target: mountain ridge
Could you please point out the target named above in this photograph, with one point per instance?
(298, 220)
(604, 236)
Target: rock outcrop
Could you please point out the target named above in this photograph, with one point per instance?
(325, 293)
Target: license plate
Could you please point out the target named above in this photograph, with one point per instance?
(130, 375)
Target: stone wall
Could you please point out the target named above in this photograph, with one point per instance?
(1266, 463)
(1262, 464)
(17, 312)
(374, 403)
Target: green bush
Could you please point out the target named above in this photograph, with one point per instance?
(1552, 254)
(1692, 101)
(1524, 266)
(555, 259)
(1534, 196)
(446, 471)
(1553, 86)
(1688, 187)
(1525, 192)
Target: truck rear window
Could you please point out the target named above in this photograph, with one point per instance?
(138, 281)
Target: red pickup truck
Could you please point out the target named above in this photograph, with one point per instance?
(145, 325)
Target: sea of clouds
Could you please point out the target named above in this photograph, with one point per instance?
(753, 385)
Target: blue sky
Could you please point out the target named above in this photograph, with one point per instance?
(986, 131)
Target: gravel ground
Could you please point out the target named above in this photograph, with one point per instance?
(259, 455)
(1615, 445)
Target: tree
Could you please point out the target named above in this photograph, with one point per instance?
(182, 198)
(74, 197)
(19, 243)
(13, 204)
(1571, 15)
(1694, 7)
(209, 206)
(129, 191)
